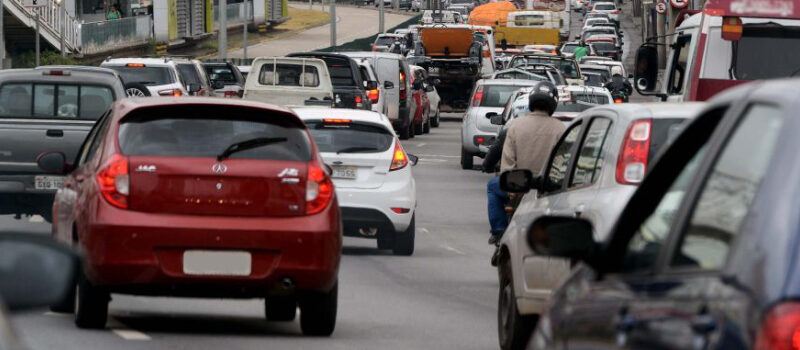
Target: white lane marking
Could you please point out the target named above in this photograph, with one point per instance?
(421, 144)
(436, 155)
(130, 334)
(56, 314)
(454, 250)
(424, 160)
(36, 218)
(424, 230)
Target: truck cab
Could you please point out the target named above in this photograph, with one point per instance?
(727, 44)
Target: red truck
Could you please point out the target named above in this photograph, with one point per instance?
(727, 43)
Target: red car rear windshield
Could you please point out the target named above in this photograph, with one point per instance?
(210, 132)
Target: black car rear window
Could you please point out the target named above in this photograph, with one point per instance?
(144, 75)
(662, 133)
(350, 137)
(497, 95)
(604, 46)
(60, 101)
(207, 131)
(341, 75)
(189, 73)
(221, 73)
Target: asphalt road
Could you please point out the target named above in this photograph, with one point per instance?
(353, 23)
(442, 297)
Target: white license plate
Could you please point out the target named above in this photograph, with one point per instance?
(345, 172)
(218, 263)
(48, 182)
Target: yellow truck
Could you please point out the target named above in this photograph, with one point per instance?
(528, 28)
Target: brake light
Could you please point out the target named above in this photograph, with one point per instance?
(614, 12)
(114, 181)
(403, 94)
(399, 158)
(617, 100)
(336, 121)
(358, 99)
(632, 161)
(780, 329)
(56, 72)
(374, 95)
(135, 65)
(319, 190)
(171, 92)
(231, 94)
(401, 210)
(476, 100)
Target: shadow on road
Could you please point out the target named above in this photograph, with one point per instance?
(208, 324)
(365, 251)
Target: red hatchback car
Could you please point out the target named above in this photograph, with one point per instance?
(199, 197)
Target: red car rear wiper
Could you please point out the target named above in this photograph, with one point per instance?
(249, 144)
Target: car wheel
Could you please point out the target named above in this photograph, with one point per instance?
(404, 241)
(404, 133)
(385, 240)
(513, 329)
(136, 90)
(318, 312)
(435, 121)
(426, 128)
(419, 128)
(411, 128)
(91, 305)
(280, 309)
(466, 160)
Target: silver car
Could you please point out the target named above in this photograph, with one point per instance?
(489, 97)
(593, 170)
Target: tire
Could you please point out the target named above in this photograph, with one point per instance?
(280, 309)
(318, 312)
(513, 329)
(404, 134)
(426, 128)
(419, 129)
(435, 119)
(404, 241)
(136, 90)
(91, 309)
(466, 160)
(385, 241)
(67, 305)
(411, 128)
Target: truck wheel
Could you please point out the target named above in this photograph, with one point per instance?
(318, 312)
(435, 120)
(280, 309)
(466, 160)
(91, 306)
(513, 329)
(404, 241)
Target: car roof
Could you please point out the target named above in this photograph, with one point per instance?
(594, 66)
(370, 54)
(356, 115)
(521, 82)
(164, 61)
(88, 76)
(658, 110)
(128, 105)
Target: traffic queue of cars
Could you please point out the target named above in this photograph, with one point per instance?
(171, 189)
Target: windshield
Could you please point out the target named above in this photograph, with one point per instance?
(568, 67)
(221, 73)
(144, 75)
(595, 79)
(605, 7)
(189, 73)
(46, 101)
(573, 107)
(385, 41)
(604, 46)
(569, 48)
(497, 95)
(597, 31)
(350, 137)
(590, 97)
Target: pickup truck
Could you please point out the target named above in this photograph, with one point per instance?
(48, 108)
(289, 81)
(349, 87)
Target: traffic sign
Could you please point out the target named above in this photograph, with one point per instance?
(679, 4)
(661, 7)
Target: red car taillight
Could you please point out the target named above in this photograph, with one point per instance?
(403, 94)
(374, 95)
(231, 94)
(780, 329)
(614, 12)
(476, 100)
(319, 190)
(171, 92)
(114, 181)
(632, 161)
(399, 158)
(617, 100)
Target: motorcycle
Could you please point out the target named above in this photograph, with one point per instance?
(619, 96)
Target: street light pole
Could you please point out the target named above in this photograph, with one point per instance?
(38, 50)
(244, 29)
(333, 22)
(381, 23)
(2, 38)
(223, 29)
(63, 14)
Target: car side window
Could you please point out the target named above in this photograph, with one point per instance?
(92, 140)
(559, 161)
(679, 71)
(725, 198)
(590, 155)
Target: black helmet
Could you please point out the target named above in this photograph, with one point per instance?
(543, 96)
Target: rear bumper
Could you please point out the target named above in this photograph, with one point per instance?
(372, 207)
(468, 139)
(18, 196)
(142, 253)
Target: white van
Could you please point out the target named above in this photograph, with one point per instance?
(289, 81)
(394, 78)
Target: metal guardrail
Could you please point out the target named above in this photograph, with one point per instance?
(102, 36)
(57, 21)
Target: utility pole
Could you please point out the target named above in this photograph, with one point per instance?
(244, 29)
(333, 22)
(310, 5)
(63, 11)
(2, 37)
(223, 29)
(38, 50)
(381, 23)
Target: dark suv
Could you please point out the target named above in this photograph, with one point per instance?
(349, 91)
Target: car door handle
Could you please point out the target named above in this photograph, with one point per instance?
(55, 133)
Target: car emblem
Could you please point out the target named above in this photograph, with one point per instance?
(219, 168)
(146, 169)
(288, 172)
(219, 186)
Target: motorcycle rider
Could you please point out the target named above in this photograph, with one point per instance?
(618, 83)
(526, 144)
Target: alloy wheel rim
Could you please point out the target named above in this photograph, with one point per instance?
(134, 92)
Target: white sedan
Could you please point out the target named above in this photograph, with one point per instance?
(371, 173)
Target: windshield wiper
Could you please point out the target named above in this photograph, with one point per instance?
(356, 149)
(249, 144)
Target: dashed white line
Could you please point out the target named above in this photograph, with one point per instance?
(436, 155)
(36, 218)
(454, 250)
(129, 334)
(424, 230)
(56, 314)
(421, 144)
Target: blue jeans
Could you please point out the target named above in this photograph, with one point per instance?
(498, 219)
